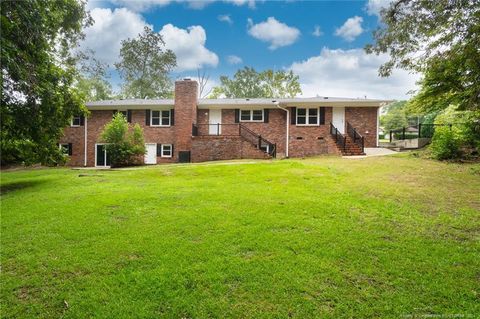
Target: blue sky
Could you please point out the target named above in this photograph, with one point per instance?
(321, 41)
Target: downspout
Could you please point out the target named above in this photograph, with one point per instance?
(378, 125)
(277, 104)
(85, 142)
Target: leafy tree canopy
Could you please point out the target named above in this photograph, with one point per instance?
(248, 83)
(38, 72)
(145, 65)
(394, 119)
(439, 39)
(92, 81)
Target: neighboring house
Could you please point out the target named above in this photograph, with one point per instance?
(188, 129)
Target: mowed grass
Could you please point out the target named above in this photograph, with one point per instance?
(386, 237)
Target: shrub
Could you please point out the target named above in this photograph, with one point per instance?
(445, 145)
(463, 137)
(125, 143)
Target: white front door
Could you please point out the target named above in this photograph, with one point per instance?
(214, 118)
(151, 154)
(338, 118)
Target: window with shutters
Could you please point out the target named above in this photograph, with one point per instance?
(307, 116)
(166, 150)
(160, 118)
(76, 121)
(124, 113)
(251, 115)
(65, 148)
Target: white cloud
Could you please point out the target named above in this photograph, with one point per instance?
(109, 29)
(351, 29)
(373, 7)
(225, 18)
(351, 73)
(278, 34)
(317, 31)
(145, 5)
(249, 3)
(233, 59)
(189, 47)
(141, 5)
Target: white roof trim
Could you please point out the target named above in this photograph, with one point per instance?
(233, 103)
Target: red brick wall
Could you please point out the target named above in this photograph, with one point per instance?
(274, 131)
(314, 140)
(213, 148)
(153, 134)
(96, 123)
(185, 113)
(364, 119)
(76, 136)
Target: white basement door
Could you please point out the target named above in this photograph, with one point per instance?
(151, 154)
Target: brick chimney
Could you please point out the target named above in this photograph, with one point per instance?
(185, 115)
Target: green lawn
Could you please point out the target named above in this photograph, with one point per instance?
(394, 237)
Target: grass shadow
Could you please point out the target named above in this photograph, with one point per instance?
(16, 186)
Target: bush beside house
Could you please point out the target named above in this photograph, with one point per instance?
(125, 144)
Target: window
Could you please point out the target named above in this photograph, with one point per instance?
(76, 121)
(307, 116)
(66, 148)
(126, 113)
(166, 150)
(160, 118)
(251, 115)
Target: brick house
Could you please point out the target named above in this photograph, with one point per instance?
(188, 129)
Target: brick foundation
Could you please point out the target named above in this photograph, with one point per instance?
(213, 148)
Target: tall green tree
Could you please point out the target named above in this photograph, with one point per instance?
(440, 39)
(145, 65)
(92, 81)
(248, 83)
(394, 119)
(280, 84)
(38, 99)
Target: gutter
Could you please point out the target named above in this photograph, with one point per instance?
(277, 104)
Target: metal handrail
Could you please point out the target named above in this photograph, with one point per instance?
(356, 137)
(339, 138)
(259, 141)
(196, 129)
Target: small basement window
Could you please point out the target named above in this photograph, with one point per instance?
(66, 148)
(160, 118)
(76, 121)
(166, 150)
(251, 115)
(307, 116)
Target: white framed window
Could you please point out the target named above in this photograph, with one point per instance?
(307, 116)
(76, 121)
(160, 117)
(65, 148)
(166, 150)
(251, 115)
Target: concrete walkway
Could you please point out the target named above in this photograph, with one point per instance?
(374, 151)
